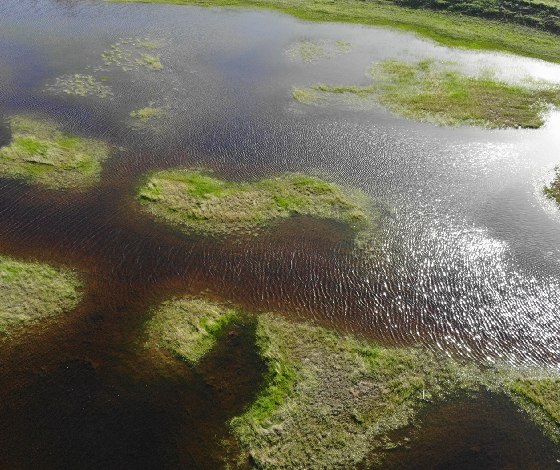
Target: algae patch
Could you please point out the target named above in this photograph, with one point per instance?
(436, 93)
(126, 54)
(197, 201)
(41, 153)
(30, 291)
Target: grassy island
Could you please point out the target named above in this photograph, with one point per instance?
(553, 190)
(197, 201)
(430, 92)
(41, 153)
(528, 28)
(327, 399)
(30, 291)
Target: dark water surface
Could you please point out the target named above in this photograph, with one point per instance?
(469, 263)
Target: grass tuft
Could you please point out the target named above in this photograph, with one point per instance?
(41, 153)
(189, 328)
(553, 190)
(30, 291)
(195, 200)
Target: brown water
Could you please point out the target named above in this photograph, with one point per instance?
(469, 263)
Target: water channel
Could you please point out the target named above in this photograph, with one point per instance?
(469, 263)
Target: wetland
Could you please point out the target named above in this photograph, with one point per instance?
(201, 271)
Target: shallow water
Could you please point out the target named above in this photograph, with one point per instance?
(470, 262)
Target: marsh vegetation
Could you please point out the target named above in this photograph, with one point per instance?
(438, 93)
(40, 152)
(552, 191)
(197, 201)
(30, 291)
(446, 26)
(328, 399)
(311, 51)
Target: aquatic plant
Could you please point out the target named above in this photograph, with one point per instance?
(82, 85)
(196, 200)
(30, 291)
(432, 92)
(310, 51)
(42, 153)
(124, 54)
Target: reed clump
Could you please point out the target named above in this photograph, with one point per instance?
(30, 291)
(40, 152)
(197, 201)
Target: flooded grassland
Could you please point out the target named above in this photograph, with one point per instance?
(269, 284)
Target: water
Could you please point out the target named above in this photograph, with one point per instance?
(469, 264)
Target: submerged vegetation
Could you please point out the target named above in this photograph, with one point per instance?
(430, 92)
(196, 200)
(81, 85)
(41, 153)
(445, 25)
(125, 54)
(328, 399)
(30, 291)
(553, 190)
(311, 51)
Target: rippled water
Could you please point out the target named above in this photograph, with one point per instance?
(470, 262)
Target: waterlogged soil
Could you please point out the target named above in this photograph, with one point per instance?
(469, 264)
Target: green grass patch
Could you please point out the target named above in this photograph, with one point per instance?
(431, 92)
(188, 327)
(30, 291)
(450, 29)
(42, 153)
(328, 398)
(542, 392)
(196, 200)
(553, 190)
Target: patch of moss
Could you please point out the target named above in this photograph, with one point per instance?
(429, 92)
(189, 327)
(447, 28)
(145, 114)
(196, 200)
(124, 54)
(41, 153)
(553, 190)
(30, 291)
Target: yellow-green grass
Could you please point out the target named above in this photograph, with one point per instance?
(327, 398)
(553, 190)
(449, 29)
(197, 201)
(430, 92)
(542, 392)
(188, 327)
(30, 291)
(42, 153)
